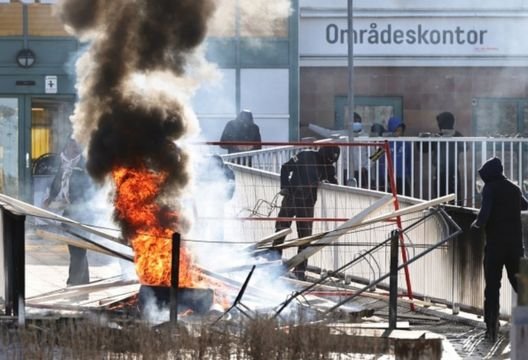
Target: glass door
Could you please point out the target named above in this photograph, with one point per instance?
(9, 145)
(50, 129)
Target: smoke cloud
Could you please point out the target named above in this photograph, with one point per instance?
(257, 17)
(122, 116)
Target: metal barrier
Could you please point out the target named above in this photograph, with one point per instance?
(431, 167)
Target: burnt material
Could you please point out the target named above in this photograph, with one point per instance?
(199, 301)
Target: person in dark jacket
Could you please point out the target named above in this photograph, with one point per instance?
(299, 179)
(446, 177)
(241, 129)
(500, 215)
(70, 189)
(401, 158)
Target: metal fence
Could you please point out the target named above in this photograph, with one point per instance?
(430, 167)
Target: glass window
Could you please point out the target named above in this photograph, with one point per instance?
(371, 109)
(9, 146)
(492, 117)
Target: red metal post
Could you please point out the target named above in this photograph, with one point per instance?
(394, 191)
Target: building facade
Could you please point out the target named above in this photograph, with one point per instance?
(258, 67)
(414, 60)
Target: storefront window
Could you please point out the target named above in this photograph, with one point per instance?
(371, 109)
(9, 146)
(499, 117)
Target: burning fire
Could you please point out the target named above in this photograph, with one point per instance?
(150, 226)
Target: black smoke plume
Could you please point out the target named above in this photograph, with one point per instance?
(125, 37)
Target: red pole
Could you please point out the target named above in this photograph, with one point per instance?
(392, 183)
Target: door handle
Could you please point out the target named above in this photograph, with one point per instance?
(27, 160)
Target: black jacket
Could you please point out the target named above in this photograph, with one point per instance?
(302, 174)
(242, 129)
(502, 202)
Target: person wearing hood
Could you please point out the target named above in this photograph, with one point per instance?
(299, 180)
(244, 130)
(500, 215)
(401, 158)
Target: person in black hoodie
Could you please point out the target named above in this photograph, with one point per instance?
(241, 129)
(299, 179)
(500, 215)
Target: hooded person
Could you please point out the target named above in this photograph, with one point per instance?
(500, 216)
(401, 157)
(244, 130)
(299, 180)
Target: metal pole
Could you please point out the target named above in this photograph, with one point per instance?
(237, 59)
(350, 88)
(175, 274)
(393, 280)
(13, 248)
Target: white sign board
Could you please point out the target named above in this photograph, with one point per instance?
(51, 84)
(415, 36)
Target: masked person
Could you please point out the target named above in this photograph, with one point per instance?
(360, 159)
(299, 179)
(500, 215)
(401, 157)
(68, 192)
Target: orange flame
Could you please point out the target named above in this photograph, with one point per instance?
(137, 191)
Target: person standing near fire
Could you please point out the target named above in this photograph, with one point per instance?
(500, 215)
(68, 193)
(299, 180)
(241, 129)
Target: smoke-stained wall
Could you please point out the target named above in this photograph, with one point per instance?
(469, 58)
(425, 92)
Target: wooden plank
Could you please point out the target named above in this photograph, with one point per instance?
(53, 236)
(22, 207)
(405, 211)
(268, 239)
(337, 233)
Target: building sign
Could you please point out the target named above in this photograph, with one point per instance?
(415, 36)
(50, 84)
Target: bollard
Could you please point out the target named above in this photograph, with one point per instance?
(175, 274)
(519, 326)
(393, 280)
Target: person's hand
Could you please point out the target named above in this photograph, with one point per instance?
(284, 192)
(475, 231)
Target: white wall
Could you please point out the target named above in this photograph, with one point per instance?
(263, 91)
(419, 4)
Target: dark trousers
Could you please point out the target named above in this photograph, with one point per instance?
(298, 206)
(78, 272)
(495, 257)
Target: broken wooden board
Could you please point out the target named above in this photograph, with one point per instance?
(308, 240)
(334, 235)
(69, 240)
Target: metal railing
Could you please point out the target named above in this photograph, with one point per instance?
(430, 167)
